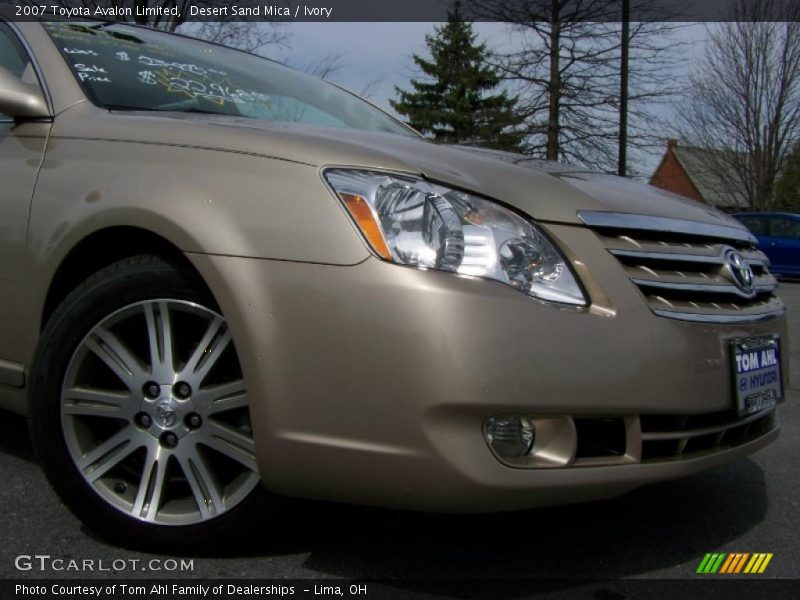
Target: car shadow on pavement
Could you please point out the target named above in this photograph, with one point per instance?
(14, 440)
(656, 528)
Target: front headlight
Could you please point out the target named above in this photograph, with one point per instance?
(412, 222)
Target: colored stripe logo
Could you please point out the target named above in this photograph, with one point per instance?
(734, 563)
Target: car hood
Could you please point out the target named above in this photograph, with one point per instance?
(547, 191)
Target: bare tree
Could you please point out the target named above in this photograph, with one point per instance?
(371, 88)
(744, 105)
(250, 37)
(624, 87)
(555, 69)
(325, 67)
(565, 68)
(646, 80)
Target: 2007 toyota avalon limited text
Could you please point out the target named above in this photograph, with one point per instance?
(220, 275)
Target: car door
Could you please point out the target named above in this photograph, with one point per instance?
(759, 227)
(22, 147)
(784, 245)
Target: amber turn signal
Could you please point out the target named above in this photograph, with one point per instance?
(361, 211)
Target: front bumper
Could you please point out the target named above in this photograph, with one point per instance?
(370, 383)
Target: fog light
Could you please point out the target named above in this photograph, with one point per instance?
(509, 437)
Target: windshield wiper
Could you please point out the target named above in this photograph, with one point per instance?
(200, 111)
(192, 109)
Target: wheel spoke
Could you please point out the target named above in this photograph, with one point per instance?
(214, 342)
(115, 354)
(88, 402)
(159, 335)
(230, 442)
(221, 397)
(151, 486)
(97, 462)
(202, 483)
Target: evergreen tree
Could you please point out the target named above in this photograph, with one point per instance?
(787, 190)
(455, 105)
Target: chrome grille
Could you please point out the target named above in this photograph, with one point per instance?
(683, 268)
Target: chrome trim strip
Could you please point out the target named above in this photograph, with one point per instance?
(703, 287)
(613, 220)
(680, 257)
(721, 319)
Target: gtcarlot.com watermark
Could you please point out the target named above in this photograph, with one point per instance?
(56, 564)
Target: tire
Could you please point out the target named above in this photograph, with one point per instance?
(138, 411)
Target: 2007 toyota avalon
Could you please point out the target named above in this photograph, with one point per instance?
(220, 275)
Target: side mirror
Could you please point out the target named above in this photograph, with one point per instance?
(20, 99)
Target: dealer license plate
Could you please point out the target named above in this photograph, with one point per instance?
(756, 373)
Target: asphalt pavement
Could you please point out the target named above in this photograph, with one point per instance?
(660, 531)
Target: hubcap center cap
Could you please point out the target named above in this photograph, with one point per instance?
(166, 413)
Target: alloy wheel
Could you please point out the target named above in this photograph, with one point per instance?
(155, 413)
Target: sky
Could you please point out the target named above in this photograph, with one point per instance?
(380, 53)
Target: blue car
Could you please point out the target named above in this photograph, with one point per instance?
(779, 237)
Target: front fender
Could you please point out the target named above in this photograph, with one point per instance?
(200, 200)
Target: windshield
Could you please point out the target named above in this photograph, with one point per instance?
(132, 68)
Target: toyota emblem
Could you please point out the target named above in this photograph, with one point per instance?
(740, 271)
(166, 414)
